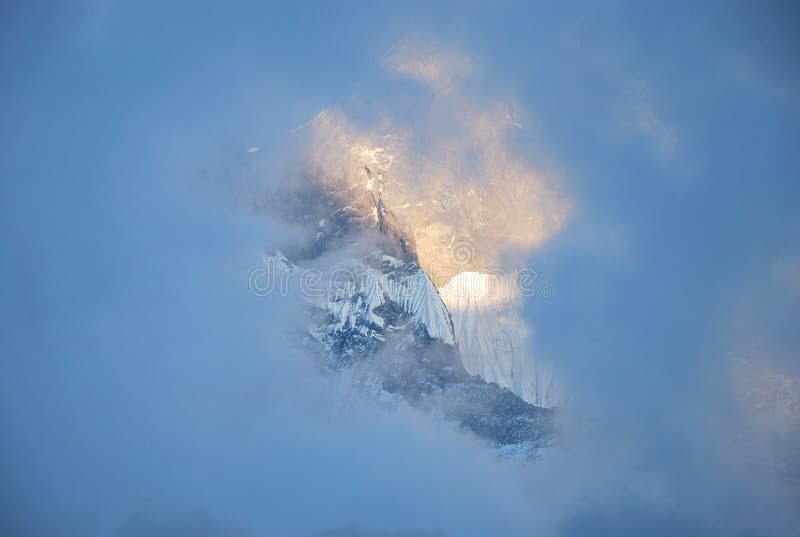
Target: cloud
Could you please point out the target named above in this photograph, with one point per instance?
(448, 175)
(786, 271)
(742, 68)
(765, 438)
(642, 118)
(438, 68)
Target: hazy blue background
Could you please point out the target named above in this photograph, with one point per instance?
(144, 391)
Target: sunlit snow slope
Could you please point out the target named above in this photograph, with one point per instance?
(492, 337)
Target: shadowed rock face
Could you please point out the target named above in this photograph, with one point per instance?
(394, 333)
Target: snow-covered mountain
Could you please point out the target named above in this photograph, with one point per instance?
(459, 352)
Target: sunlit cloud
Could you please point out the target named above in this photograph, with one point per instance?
(450, 180)
(437, 68)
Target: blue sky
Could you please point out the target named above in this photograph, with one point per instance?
(140, 376)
